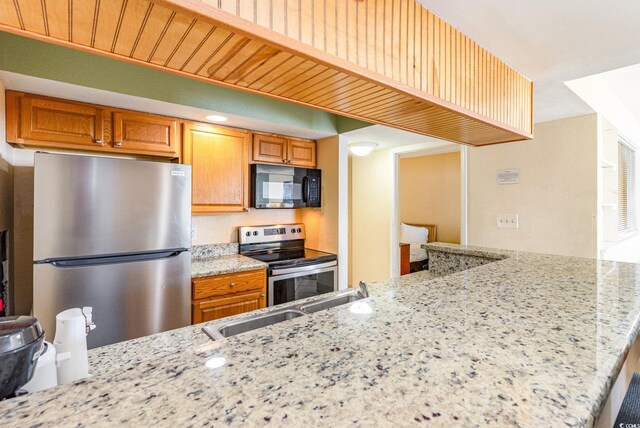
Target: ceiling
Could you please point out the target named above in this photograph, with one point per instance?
(625, 84)
(551, 41)
(396, 139)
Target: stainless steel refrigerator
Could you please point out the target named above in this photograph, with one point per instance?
(113, 234)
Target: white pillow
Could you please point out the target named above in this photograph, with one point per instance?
(415, 236)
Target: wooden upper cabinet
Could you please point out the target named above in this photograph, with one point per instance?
(269, 148)
(277, 149)
(39, 121)
(48, 122)
(220, 167)
(302, 152)
(143, 132)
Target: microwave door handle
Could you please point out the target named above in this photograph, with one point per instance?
(305, 189)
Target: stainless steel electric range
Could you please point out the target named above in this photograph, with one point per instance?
(295, 272)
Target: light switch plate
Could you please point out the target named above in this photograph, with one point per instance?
(507, 221)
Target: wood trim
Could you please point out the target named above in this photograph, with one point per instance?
(456, 122)
(256, 32)
(405, 258)
(13, 107)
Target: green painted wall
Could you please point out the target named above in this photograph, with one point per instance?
(39, 59)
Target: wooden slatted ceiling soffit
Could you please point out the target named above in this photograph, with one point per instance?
(384, 61)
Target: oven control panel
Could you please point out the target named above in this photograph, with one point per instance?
(272, 233)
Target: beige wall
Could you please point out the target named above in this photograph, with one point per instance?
(222, 228)
(429, 193)
(556, 199)
(322, 223)
(371, 193)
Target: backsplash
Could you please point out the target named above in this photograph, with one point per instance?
(213, 250)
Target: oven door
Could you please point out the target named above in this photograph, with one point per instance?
(288, 285)
(277, 186)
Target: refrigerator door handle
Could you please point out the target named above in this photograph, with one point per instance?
(110, 260)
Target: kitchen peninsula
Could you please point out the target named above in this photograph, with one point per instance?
(526, 339)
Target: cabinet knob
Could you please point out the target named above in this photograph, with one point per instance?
(262, 296)
(118, 143)
(233, 284)
(284, 161)
(98, 141)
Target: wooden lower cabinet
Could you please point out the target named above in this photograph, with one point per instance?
(221, 296)
(220, 307)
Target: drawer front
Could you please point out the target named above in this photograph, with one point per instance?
(222, 285)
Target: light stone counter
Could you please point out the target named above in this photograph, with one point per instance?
(530, 340)
(224, 264)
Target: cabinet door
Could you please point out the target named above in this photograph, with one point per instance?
(48, 122)
(212, 309)
(220, 168)
(223, 285)
(302, 153)
(269, 148)
(145, 134)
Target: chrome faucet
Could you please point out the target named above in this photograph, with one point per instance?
(364, 291)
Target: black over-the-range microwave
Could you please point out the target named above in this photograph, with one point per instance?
(275, 186)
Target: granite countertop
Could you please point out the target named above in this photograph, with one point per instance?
(529, 340)
(224, 264)
(469, 250)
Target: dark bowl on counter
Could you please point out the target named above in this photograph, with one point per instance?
(21, 342)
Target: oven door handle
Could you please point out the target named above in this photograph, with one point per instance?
(301, 269)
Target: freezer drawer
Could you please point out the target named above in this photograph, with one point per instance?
(129, 300)
(90, 206)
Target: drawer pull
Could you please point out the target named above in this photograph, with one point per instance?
(233, 284)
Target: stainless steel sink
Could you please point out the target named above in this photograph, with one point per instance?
(250, 323)
(330, 302)
(221, 330)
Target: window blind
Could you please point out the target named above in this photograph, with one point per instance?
(627, 216)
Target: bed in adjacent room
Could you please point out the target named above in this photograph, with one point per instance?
(413, 258)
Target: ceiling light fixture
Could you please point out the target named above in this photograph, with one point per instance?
(363, 148)
(216, 118)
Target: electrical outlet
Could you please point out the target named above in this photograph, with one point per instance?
(507, 221)
(194, 233)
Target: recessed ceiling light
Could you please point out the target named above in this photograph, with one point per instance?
(216, 118)
(363, 148)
